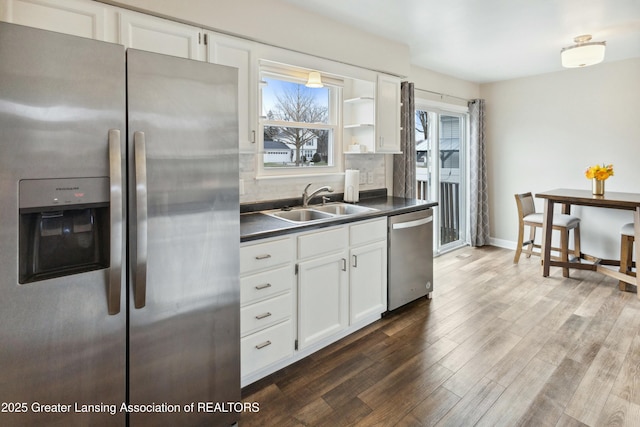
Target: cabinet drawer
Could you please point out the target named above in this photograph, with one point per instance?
(265, 313)
(266, 347)
(368, 232)
(263, 285)
(265, 255)
(322, 242)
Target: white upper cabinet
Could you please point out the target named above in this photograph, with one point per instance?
(371, 115)
(388, 115)
(144, 32)
(75, 17)
(359, 116)
(235, 52)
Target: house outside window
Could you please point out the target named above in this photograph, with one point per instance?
(299, 125)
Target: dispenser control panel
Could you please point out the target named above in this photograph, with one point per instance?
(63, 193)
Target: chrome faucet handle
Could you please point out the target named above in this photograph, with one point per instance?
(305, 195)
(307, 187)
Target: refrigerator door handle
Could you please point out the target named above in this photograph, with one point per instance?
(140, 157)
(115, 214)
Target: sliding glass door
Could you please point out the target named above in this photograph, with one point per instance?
(441, 142)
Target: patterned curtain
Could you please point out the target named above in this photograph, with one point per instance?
(404, 165)
(479, 216)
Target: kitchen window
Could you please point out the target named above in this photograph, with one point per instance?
(298, 125)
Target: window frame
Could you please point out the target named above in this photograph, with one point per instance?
(334, 125)
(437, 110)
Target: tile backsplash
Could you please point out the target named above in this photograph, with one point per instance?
(262, 189)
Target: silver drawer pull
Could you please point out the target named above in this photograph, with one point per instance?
(265, 256)
(263, 345)
(263, 315)
(265, 286)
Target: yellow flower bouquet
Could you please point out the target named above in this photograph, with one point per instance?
(599, 172)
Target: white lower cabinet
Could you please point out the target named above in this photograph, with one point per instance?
(368, 269)
(338, 285)
(323, 293)
(367, 281)
(323, 297)
(266, 304)
(265, 348)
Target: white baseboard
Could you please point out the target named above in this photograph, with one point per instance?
(501, 243)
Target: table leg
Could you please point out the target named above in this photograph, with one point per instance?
(547, 228)
(636, 243)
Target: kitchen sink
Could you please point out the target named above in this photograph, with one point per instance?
(300, 215)
(318, 213)
(343, 209)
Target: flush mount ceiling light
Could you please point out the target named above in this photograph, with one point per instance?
(583, 53)
(314, 80)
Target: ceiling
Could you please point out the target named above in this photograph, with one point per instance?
(490, 40)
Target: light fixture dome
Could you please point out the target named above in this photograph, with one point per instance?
(314, 80)
(583, 53)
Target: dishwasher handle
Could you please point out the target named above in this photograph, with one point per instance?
(411, 224)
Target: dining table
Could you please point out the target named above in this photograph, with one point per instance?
(609, 200)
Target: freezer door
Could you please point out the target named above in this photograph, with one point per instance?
(184, 238)
(59, 98)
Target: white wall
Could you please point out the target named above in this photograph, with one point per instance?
(544, 131)
(430, 80)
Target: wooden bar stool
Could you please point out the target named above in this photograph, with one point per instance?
(626, 253)
(527, 216)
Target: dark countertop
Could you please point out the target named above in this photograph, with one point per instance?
(256, 225)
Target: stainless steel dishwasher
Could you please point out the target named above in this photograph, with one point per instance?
(410, 271)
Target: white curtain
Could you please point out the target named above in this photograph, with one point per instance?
(404, 165)
(479, 217)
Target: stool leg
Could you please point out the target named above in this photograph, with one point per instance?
(516, 258)
(532, 238)
(626, 258)
(564, 250)
(576, 242)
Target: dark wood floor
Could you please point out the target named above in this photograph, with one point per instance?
(498, 345)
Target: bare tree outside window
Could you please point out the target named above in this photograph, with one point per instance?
(296, 117)
(422, 123)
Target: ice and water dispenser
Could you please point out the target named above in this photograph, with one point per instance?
(64, 227)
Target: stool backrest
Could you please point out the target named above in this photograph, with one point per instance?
(525, 204)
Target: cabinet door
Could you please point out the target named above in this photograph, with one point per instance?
(368, 281)
(159, 35)
(235, 52)
(322, 298)
(388, 115)
(78, 18)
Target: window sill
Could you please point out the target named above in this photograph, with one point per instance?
(298, 175)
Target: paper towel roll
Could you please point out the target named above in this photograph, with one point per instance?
(351, 185)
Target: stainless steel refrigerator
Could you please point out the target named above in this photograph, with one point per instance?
(119, 235)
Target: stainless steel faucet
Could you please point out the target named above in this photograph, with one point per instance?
(306, 197)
